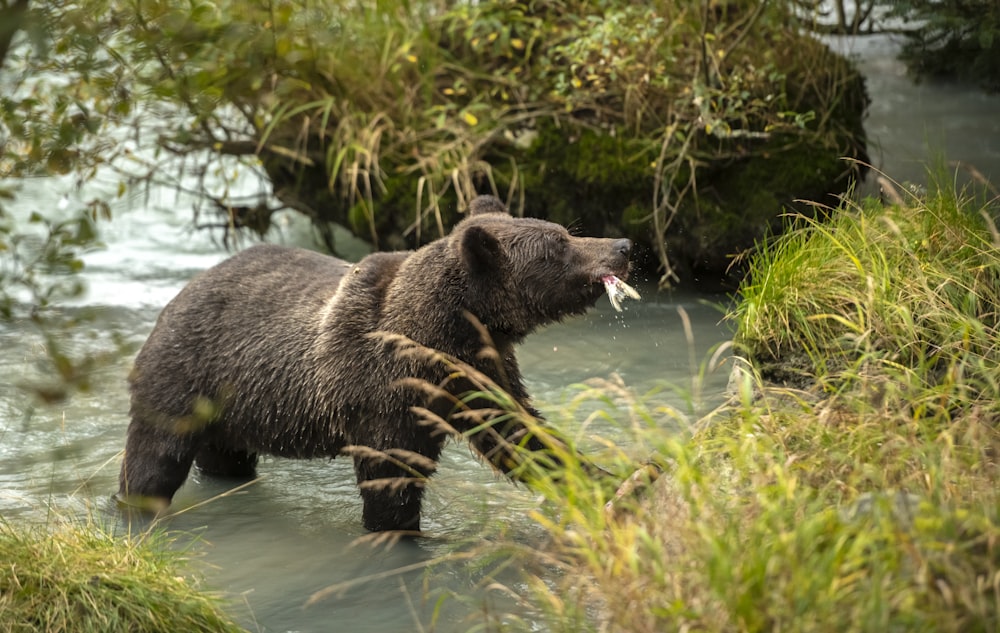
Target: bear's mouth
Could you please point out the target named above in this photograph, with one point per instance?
(619, 272)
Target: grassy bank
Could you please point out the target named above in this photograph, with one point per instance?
(859, 492)
(78, 577)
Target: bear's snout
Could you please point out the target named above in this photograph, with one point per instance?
(617, 257)
(602, 256)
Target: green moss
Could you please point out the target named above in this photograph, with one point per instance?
(586, 178)
(592, 157)
(757, 189)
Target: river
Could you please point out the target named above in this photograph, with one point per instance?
(292, 533)
(295, 531)
(911, 125)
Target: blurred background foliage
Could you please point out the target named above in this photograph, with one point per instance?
(953, 38)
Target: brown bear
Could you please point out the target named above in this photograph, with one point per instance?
(288, 352)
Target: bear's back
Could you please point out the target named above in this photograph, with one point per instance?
(262, 290)
(244, 326)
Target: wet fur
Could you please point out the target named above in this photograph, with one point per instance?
(271, 351)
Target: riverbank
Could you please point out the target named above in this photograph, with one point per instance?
(860, 493)
(80, 577)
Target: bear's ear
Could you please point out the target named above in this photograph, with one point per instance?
(480, 249)
(486, 204)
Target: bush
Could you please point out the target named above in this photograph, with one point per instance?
(387, 117)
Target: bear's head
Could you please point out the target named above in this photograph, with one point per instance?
(522, 273)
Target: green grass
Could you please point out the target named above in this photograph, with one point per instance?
(863, 497)
(80, 578)
(911, 287)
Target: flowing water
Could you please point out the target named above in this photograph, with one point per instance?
(290, 534)
(911, 125)
(273, 544)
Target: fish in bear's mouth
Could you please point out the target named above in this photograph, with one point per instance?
(618, 290)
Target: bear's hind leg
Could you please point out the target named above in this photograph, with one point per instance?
(219, 462)
(391, 495)
(156, 464)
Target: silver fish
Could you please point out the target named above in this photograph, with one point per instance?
(618, 290)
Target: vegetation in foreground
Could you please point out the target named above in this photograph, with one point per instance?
(79, 577)
(865, 499)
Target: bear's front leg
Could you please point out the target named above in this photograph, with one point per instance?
(391, 491)
(511, 446)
